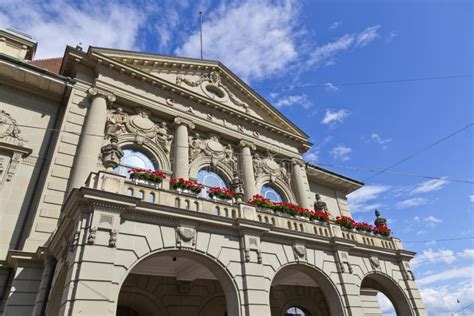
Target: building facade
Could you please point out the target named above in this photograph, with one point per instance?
(79, 236)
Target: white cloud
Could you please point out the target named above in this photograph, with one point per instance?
(330, 87)
(446, 256)
(335, 117)
(294, 100)
(253, 38)
(432, 221)
(57, 23)
(359, 200)
(341, 153)
(335, 25)
(412, 202)
(443, 300)
(431, 256)
(382, 141)
(471, 198)
(325, 54)
(312, 155)
(466, 272)
(429, 186)
(367, 36)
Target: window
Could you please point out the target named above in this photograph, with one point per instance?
(209, 179)
(296, 311)
(270, 193)
(133, 159)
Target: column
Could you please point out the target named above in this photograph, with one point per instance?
(91, 139)
(181, 148)
(297, 166)
(246, 167)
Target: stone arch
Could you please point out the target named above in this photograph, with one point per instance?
(202, 162)
(223, 275)
(387, 285)
(327, 286)
(153, 149)
(280, 185)
(141, 301)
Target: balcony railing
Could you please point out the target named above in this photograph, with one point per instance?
(156, 194)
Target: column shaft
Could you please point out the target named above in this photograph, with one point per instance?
(181, 148)
(300, 187)
(91, 142)
(246, 166)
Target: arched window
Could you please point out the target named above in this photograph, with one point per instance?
(209, 179)
(133, 159)
(270, 193)
(296, 311)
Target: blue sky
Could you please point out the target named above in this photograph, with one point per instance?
(295, 54)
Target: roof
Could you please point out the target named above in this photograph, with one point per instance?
(51, 64)
(327, 177)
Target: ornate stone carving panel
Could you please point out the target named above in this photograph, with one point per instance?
(12, 146)
(268, 166)
(212, 148)
(139, 124)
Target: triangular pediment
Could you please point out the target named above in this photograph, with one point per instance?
(209, 79)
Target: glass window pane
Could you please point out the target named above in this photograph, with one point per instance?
(270, 193)
(133, 159)
(209, 179)
(295, 311)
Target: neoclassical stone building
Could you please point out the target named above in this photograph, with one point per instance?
(80, 237)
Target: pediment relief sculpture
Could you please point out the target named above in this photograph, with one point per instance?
(213, 148)
(140, 124)
(12, 146)
(212, 86)
(268, 166)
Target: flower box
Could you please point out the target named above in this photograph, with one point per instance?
(364, 227)
(146, 176)
(382, 231)
(186, 186)
(221, 194)
(346, 222)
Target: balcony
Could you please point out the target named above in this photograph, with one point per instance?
(283, 225)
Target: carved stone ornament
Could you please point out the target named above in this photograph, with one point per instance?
(111, 154)
(12, 146)
(92, 234)
(268, 166)
(211, 85)
(374, 261)
(300, 251)
(212, 147)
(185, 235)
(319, 205)
(113, 238)
(140, 124)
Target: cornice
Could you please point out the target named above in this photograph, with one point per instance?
(182, 92)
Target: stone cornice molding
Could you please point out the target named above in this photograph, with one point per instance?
(245, 143)
(175, 89)
(182, 121)
(93, 92)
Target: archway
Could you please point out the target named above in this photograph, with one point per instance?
(178, 282)
(376, 283)
(301, 289)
